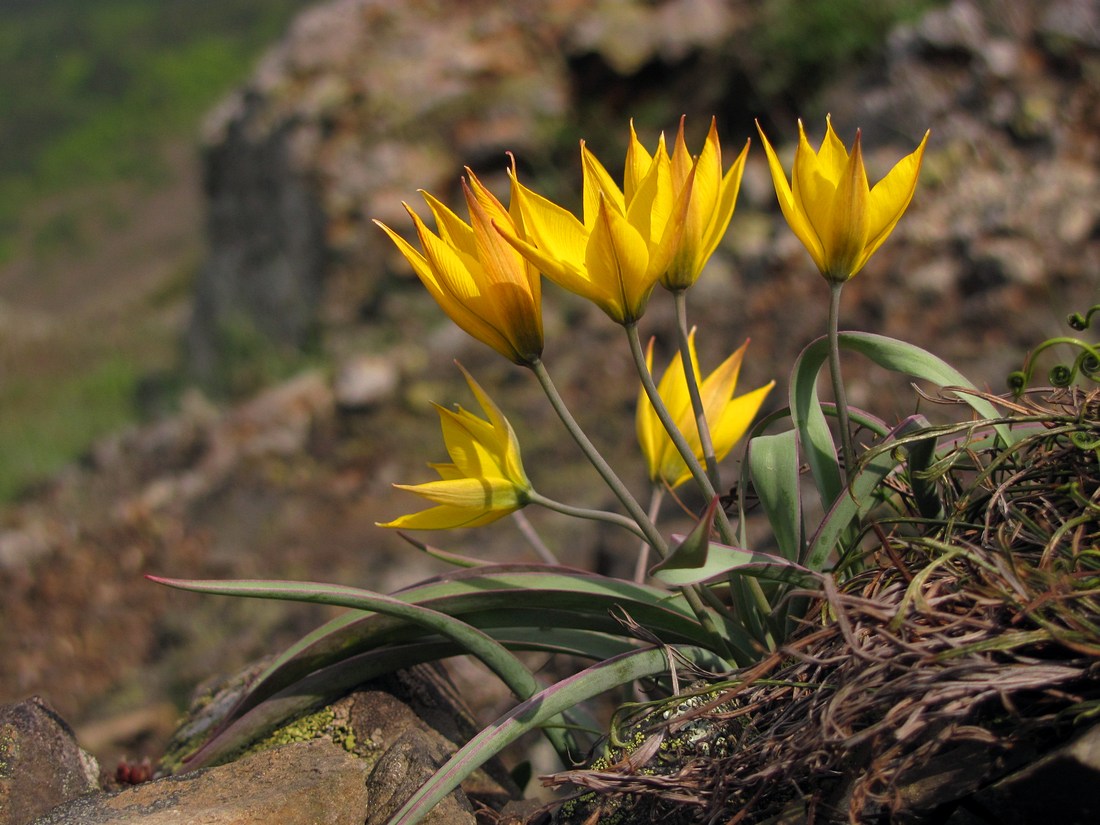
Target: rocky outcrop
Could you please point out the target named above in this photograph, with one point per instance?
(357, 760)
(365, 102)
(41, 765)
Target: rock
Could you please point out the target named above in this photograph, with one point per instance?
(1060, 787)
(364, 381)
(307, 783)
(402, 727)
(407, 765)
(362, 104)
(356, 760)
(41, 765)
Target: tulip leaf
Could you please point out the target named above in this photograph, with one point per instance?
(537, 710)
(721, 560)
(327, 684)
(477, 643)
(889, 353)
(499, 600)
(690, 552)
(773, 466)
(858, 497)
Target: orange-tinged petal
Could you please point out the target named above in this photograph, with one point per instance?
(443, 291)
(453, 231)
(510, 302)
(682, 162)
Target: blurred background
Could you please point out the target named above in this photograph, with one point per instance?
(213, 364)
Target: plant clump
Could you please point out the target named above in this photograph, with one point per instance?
(967, 646)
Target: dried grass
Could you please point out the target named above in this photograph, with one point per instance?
(964, 648)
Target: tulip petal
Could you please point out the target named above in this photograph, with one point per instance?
(598, 184)
(617, 260)
(736, 418)
(724, 208)
(638, 163)
(890, 197)
(844, 230)
(791, 209)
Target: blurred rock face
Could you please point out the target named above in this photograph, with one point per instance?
(364, 103)
(367, 101)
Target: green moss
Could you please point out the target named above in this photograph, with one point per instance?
(331, 722)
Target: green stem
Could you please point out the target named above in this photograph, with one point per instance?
(655, 499)
(649, 530)
(678, 440)
(533, 537)
(645, 524)
(838, 382)
(705, 441)
(582, 512)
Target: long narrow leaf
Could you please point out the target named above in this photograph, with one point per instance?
(722, 560)
(494, 655)
(898, 356)
(327, 684)
(588, 597)
(535, 711)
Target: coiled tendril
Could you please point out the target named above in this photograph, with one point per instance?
(1085, 365)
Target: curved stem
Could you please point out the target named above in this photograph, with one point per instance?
(533, 537)
(640, 567)
(678, 440)
(585, 513)
(705, 441)
(838, 382)
(645, 524)
(649, 530)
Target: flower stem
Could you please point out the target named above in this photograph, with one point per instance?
(533, 537)
(838, 382)
(705, 441)
(624, 495)
(640, 567)
(678, 440)
(582, 512)
(645, 524)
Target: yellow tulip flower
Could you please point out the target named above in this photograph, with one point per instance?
(728, 417)
(830, 207)
(479, 280)
(664, 226)
(484, 480)
(693, 192)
